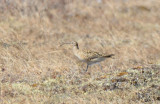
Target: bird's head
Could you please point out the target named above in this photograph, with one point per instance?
(74, 43)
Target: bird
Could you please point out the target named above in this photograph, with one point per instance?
(87, 56)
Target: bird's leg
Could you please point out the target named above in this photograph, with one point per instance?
(87, 67)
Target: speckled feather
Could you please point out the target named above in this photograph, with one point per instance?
(87, 56)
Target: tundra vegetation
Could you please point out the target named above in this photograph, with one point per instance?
(35, 70)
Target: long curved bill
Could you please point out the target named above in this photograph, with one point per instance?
(64, 44)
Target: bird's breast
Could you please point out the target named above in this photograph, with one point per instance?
(79, 55)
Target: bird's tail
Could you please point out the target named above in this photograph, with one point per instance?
(109, 56)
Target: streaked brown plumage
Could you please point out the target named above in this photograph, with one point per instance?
(87, 56)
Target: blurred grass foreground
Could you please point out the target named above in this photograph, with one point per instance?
(35, 70)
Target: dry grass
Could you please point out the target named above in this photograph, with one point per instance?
(34, 69)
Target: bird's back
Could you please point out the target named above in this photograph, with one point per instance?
(87, 55)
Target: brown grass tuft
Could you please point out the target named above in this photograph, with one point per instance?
(34, 69)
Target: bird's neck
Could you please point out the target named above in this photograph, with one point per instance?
(75, 49)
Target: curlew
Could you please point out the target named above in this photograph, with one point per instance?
(87, 56)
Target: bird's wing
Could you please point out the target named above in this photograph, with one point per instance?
(91, 54)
